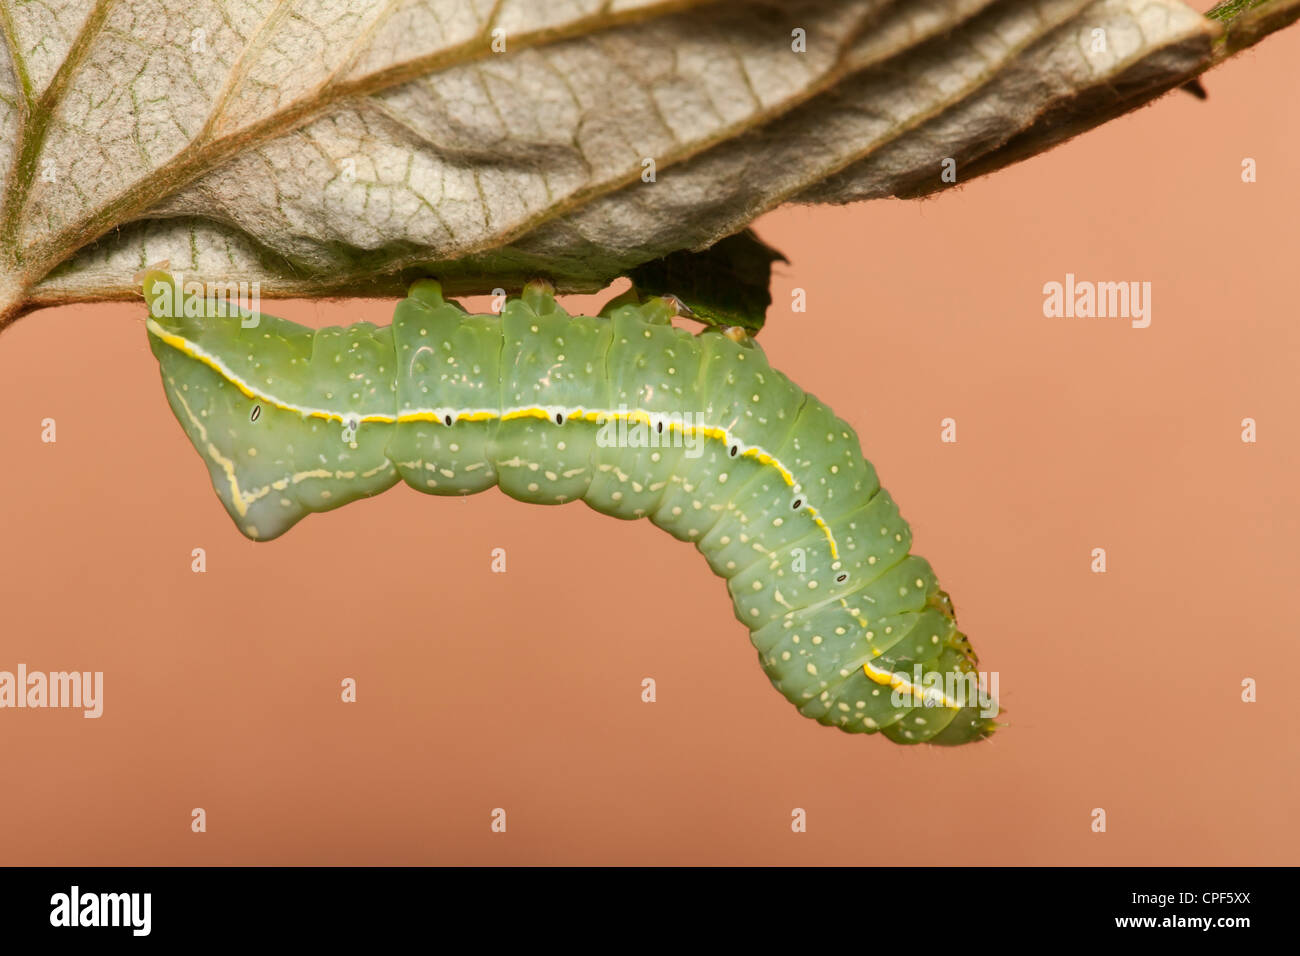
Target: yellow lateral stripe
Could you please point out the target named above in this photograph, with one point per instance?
(634, 416)
(899, 682)
(517, 413)
(188, 348)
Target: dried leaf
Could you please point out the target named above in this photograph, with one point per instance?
(344, 147)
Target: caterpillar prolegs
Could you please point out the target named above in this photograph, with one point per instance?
(638, 418)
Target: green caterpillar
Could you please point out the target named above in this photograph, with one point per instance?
(623, 411)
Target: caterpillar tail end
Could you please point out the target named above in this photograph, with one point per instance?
(969, 713)
(945, 702)
(968, 726)
(970, 723)
(891, 662)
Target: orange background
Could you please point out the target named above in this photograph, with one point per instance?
(522, 690)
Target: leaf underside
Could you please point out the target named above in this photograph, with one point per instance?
(346, 147)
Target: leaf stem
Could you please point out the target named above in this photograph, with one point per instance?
(1246, 22)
